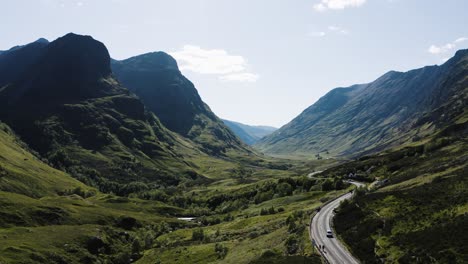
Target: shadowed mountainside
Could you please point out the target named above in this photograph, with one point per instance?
(156, 79)
(68, 107)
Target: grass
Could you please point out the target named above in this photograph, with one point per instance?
(21, 172)
(48, 216)
(420, 215)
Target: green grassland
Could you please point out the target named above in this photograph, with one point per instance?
(248, 209)
(253, 210)
(47, 216)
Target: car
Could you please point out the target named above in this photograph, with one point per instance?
(329, 233)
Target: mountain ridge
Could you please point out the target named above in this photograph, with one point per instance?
(370, 117)
(248, 133)
(68, 107)
(157, 80)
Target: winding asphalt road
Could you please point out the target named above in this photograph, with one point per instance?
(335, 251)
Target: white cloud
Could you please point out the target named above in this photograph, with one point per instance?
(434, 49)
(63, 3)
(215, 62)
(329, 30)
(240, 77)
(338, 30)
(317, 34)
(320, 7)
(337, 4)
(462, 39)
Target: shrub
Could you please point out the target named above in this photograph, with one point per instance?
(221, 250)
(127, 222)
(198, 234)
(3, 172)
(284, 189)
(136, 246)
(327, 185)
(292, 244)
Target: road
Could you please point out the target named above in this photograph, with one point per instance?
(335, 251)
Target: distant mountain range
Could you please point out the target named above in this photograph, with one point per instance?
(249, 134)
(396, 108)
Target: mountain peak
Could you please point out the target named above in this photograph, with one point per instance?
(459, 54)
(81, 55)
(152, 61)
(42, 40)
(69, 69)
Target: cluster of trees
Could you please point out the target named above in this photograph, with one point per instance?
(271, 210)
(333, 184)
(79, 191)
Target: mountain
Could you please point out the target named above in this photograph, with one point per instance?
(249, 134)
(156, 79)
(15, 60)
(66, 105)
(396, 108)
(79, 152)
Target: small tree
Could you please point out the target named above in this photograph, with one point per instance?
(3, 172)
(149, 239)
(198, 234)
(327, 185)
(292, 227)
(292, 244)
(136, 246)
(221, 250)
(271, 210)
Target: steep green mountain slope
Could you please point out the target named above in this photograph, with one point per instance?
(396, 108)
(156, 79)
(46, 216)
(23, 173)
(68, 107)
(418, 211)
(249, 134)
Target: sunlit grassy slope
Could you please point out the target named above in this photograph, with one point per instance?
(47, 216)
(23, 173)
(420, 214)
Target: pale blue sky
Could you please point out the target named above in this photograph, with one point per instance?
(257, 61)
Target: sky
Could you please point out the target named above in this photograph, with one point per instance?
(259, 62)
